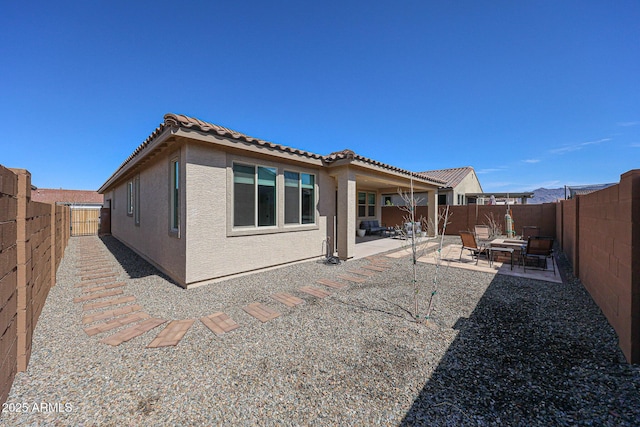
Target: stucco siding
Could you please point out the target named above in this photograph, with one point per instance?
(151, 238)
(214, 248)
(469, 184)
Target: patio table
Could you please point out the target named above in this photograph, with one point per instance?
(512, 246)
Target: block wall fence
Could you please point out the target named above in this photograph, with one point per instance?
(33, 237)
(598, 232)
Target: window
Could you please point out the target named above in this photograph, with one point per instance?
(130, 198)
(136, 200)
(292, 203)
(461, 199)
(442, 199)
(254, 196)
(308, 198)
(299, 198)
(174, 195)
(366, 204)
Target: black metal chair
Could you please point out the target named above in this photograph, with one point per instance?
(539, 248)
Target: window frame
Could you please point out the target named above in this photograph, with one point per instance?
(136, 200)
(300, 200)
(367, 205)
(174, 196)
(130, 196)
(256, 196)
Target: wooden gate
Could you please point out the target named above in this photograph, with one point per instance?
(85, 222)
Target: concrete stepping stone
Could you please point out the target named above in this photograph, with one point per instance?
(103, 304)
(219, 323)
(98, 276)
(132, 332)
(287, 299)
(90, 297)
(107, 314)
(116, 323)
(331, 283)
(352, 278)
(316, 292)
(101, 270)
(261, 312)
(362, 272)
(374, 268)
(103, 288)
(172, 334)
(95, 282)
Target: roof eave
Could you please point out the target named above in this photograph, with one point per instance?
(142, 152)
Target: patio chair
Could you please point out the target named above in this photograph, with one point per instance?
(530, 231)
(408, 229)
(538, 248)
(482, 233)
(469, 243)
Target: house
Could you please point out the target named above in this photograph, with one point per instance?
(202, 202)
(79, 198)
(459, 182)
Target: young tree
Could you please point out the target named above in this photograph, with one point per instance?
(412, 234)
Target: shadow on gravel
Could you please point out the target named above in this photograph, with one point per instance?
(135, 266)
(531, 353)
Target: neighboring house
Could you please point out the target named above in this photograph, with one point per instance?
(578, 190)
(85, 207)
(200, 201)
(79, 198)
(459, 182)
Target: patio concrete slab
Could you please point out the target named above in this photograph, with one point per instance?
(451, 258)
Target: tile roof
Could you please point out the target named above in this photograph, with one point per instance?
(452, 177)
(176, 121)
(52, 195)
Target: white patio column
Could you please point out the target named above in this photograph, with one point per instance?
(346, 210)
(432, 202)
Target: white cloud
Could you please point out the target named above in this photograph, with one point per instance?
(531, 160)
(576, 147)
(489, 170)
(635, 145)
(627, 124)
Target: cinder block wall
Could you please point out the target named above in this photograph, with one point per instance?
(602, 239)
(8, 280)
(33, 237)
(465, 217)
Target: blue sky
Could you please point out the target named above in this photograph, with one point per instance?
(530, 93)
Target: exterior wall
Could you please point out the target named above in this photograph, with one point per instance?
(151, 239)
(469, 184)
(214, 249)
(33, 237)
(602, 239)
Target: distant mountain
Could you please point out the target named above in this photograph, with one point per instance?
(546, 195)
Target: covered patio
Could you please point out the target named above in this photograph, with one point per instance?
(360, 183)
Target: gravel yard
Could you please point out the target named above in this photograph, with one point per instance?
(499, 351)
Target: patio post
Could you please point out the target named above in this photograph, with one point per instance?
(346, 212)
(432, 202)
